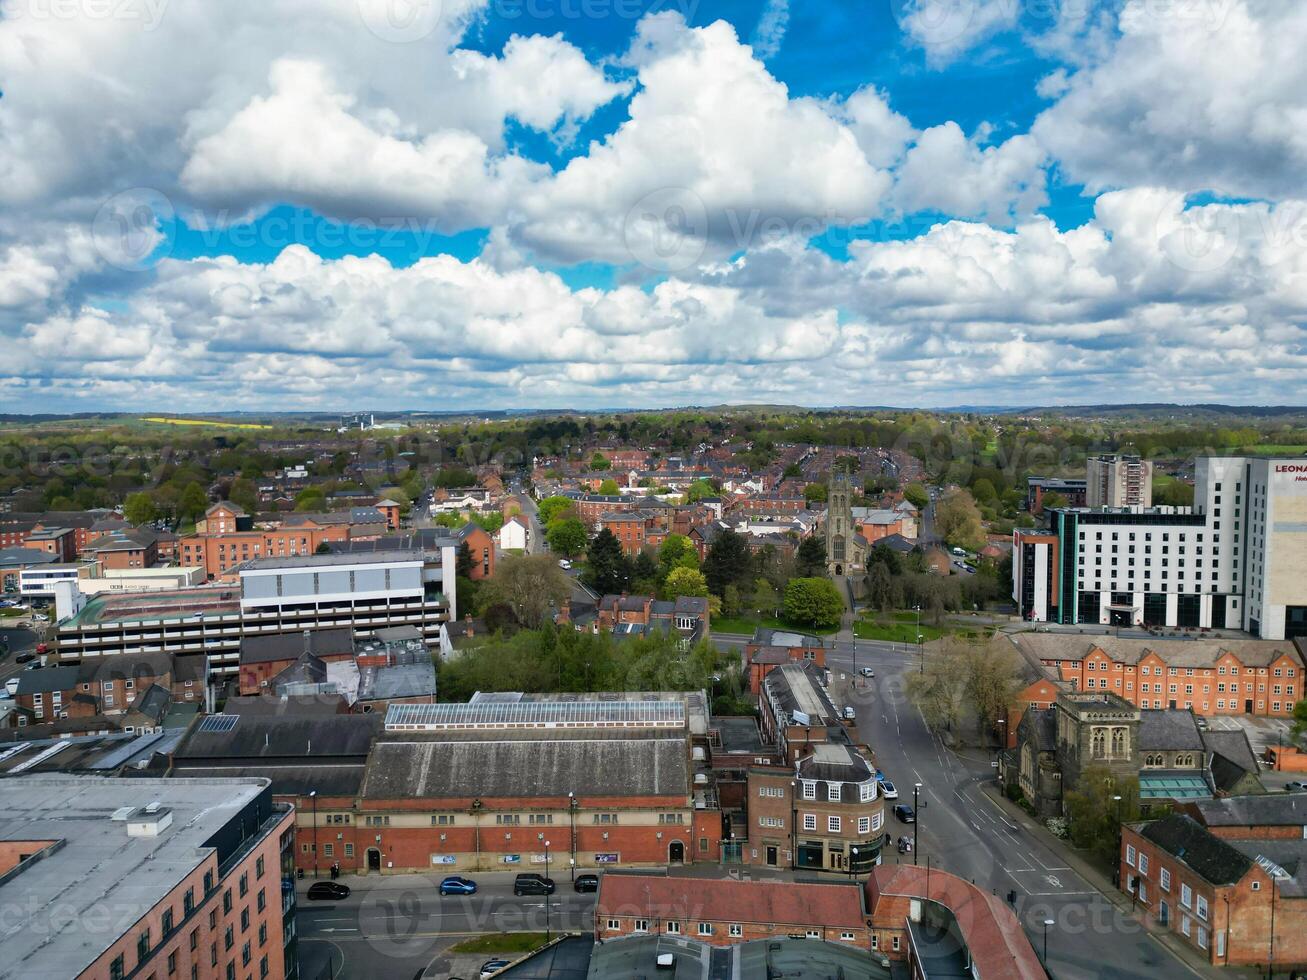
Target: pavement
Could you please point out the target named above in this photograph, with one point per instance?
(400, 926)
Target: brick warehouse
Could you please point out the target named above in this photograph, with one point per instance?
(481, 786)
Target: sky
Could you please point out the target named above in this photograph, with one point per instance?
(457, 204)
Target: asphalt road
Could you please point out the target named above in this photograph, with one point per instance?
(964, 832)
(395, 926)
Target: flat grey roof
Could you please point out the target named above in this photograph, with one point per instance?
(97, 873)
(348, 558)
(536, 714)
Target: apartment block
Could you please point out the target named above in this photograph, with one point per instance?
(1118, 481)
(106, 878)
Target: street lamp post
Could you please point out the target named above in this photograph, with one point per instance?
(313, 795)
(921, 650)
(572, 804)
(1047, 923)
(547, 896)
(916, 819)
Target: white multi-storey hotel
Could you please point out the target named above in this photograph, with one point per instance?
(1236, 560)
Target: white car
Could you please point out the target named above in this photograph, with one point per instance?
(564, 563)
(867, 672)
(888, 791)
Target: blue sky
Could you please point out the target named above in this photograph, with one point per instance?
(561, 203)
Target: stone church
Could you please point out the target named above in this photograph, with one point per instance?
(1167, 750)
(846, 549)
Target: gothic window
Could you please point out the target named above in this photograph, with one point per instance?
(1118, 742)
(1098, 743)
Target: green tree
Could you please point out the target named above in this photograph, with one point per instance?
(139, 509)
(815, 493)
(552, 508)
(792, 472)
(700, 490)
(1094, 816)
(193, 503)
(677, 551)
(728, 562)
(645, 573)
(311, 499)
(600, 462)
(810, 557)
(765, 599)
(730, 600)
(244, 495)
(813, 602)
(607, 570)
(915, 494)
(684, 582)
(609, 488)
(957, 521)
(1053, 500)
(566, 536)
(1299, 718)
(528, 585)
(883, 592)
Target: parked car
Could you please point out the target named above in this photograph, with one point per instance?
(11, 686)
(533, 884)
(490, 967)
(458, 885)
(888, 791)
(1296, 786)
(849, 713)
(905, 813)
(586, 883)
(564, 563)
(880, 776)
(328, 891)
(25, 658)
(867, 672)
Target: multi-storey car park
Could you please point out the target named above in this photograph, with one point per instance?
(365, 592)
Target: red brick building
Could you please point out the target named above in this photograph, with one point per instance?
(724, 912)
(1212, 677)
(481, 547)
(770, 648)
(264, 657)
(1224, 896)
(1040, 694)
(910, 905)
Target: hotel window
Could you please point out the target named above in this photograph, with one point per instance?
(833, 789)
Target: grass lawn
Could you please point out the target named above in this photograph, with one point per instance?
(501, 942)
(901, 627)
(746, 625)
(11, 613)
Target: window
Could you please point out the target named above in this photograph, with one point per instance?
(614, 924)
(262, 901)
(867, 791)
(895, 943)
(809, 790)
(167, 925)
(1130, 855)
(641, 925)
(1200, 906)
(172, 962)
(705, 928)
(833, 792)
(846, 937)
(1143, 864)
(810, 821)
(735, 931)
(864, 825)
(143, 945)
(1186, 896)
(258, 867)
(673, 928)
(1164, 879)
(833, 824)
(116, 968)
(813, 934)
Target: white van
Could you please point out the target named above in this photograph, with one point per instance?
(960, 552)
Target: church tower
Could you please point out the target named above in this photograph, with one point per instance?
(839, 522)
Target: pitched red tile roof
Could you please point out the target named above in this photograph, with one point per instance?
(998, 945)
(695, 899)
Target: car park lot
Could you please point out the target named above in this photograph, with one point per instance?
(398, 925)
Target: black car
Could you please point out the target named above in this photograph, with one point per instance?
(25, 658)
(328, 891)
(905, 813)
(531, 884)
(586, 883)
